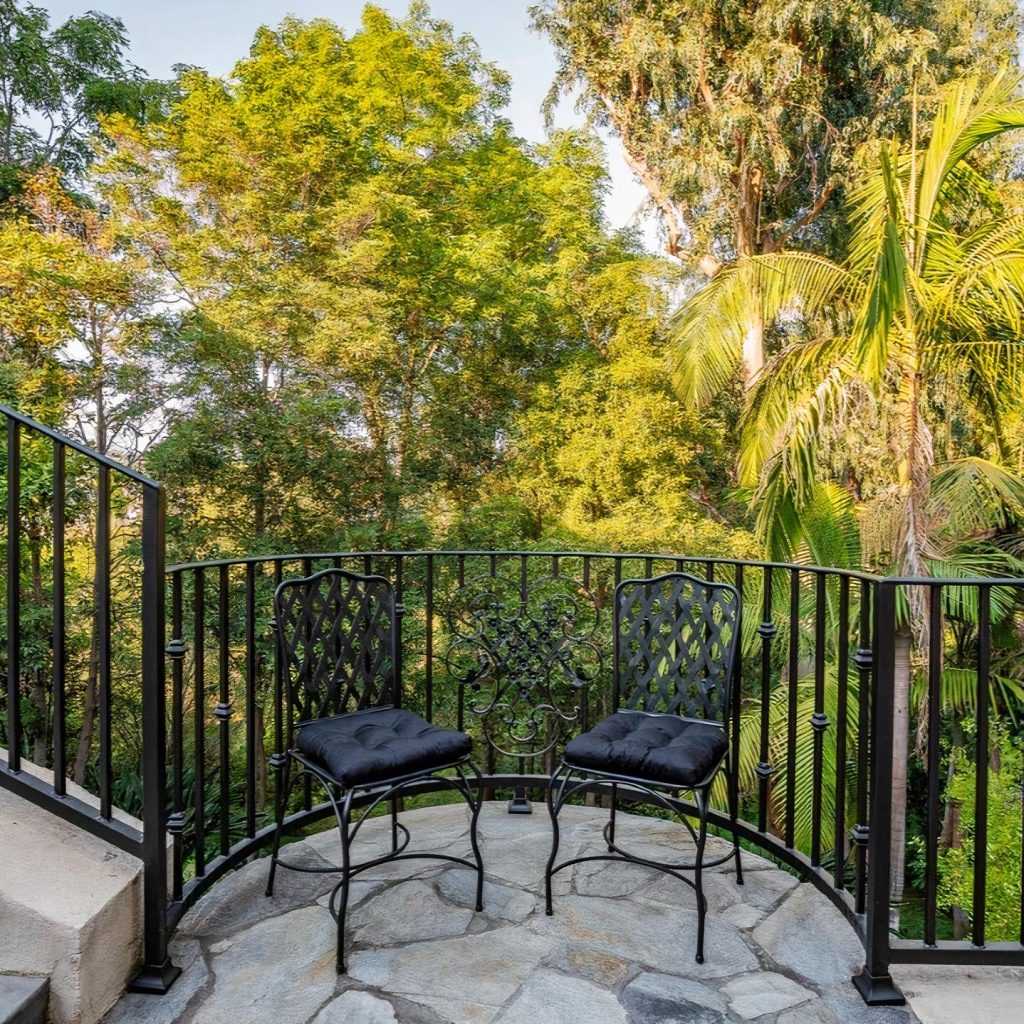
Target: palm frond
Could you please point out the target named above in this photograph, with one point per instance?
(970, 113)
(974, 495)
(707, 332)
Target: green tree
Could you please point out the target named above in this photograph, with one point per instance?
(605, 455)
(55, 85)
(931, 294)
(1002, 853)
(352, 215)
(741, 119)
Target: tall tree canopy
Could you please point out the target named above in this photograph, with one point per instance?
(356, 241)
(55, 85)
(741, 119)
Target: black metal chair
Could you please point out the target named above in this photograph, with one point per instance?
(674, 647)
(338, 641)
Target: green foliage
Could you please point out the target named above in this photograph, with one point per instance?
(56, 84)
(376, 273)
(742, 119)
(1003, 842)
(883, 328)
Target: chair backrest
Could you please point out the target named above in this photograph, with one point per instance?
(675, 645)
(337, 635)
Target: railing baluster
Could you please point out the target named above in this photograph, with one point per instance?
(981, 755)
(429, 677)
(842, 710)
(864, 660)
(13, 595)
(794, 671)
(250, 699)
(176, 821)
(766, 630)
(222, 712)
(934, 708)
(280, 757)
(59, 698)
(103, 638)
(819, 720)
(199, 697)
(734, 709)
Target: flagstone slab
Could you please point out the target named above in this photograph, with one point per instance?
(549, 996)
(354, 1007)
(404, 913)
(809, 935)
(467, 978)
(239, 899)
(763, 992)
(659, 937)
(655, 998)
(501, 902)
(278, 970)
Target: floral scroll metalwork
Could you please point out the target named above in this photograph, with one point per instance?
(524, 652)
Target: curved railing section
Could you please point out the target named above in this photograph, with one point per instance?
(511, 646)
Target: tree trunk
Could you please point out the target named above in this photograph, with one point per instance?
(900, 749)
(89, 710)
(753, 350)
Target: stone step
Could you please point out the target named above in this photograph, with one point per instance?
(23, 999)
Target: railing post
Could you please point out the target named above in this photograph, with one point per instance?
(157, 973)
(875, 983)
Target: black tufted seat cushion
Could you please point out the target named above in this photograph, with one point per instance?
(364, 747)
(658, 747)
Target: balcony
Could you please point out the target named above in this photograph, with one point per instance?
(190, 690)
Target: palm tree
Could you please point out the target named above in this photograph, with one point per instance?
(932, 291)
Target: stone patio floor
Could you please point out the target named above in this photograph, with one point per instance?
(619, 948)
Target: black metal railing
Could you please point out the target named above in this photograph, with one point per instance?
(112, 510)
(514, 647)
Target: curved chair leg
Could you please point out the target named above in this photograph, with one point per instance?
(475, 806)
(343, 822)
(611, 818)
(394, 824)
(702, 904)
(548, 909)
(282, 803)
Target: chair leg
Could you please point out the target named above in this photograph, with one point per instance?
(477, 805)
(343, 816)
(611, 817)
(282, 803)
(698, 876)
(394, 824)
(548, 909)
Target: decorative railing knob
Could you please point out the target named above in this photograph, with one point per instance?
(860, 834)
(819, 721)
(176, 823)
(767, 630)
(763, 770)
(175, 649)
(864, 659)
(222, 711)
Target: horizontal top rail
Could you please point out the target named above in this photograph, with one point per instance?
(855, 574)
(70, 442)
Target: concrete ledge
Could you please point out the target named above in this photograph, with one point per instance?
(71, 906)
(22, 999)
(958, 995)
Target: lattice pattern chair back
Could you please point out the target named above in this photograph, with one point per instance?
(337, 635)
(675, 644)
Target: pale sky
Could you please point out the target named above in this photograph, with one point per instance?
(213, 34)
